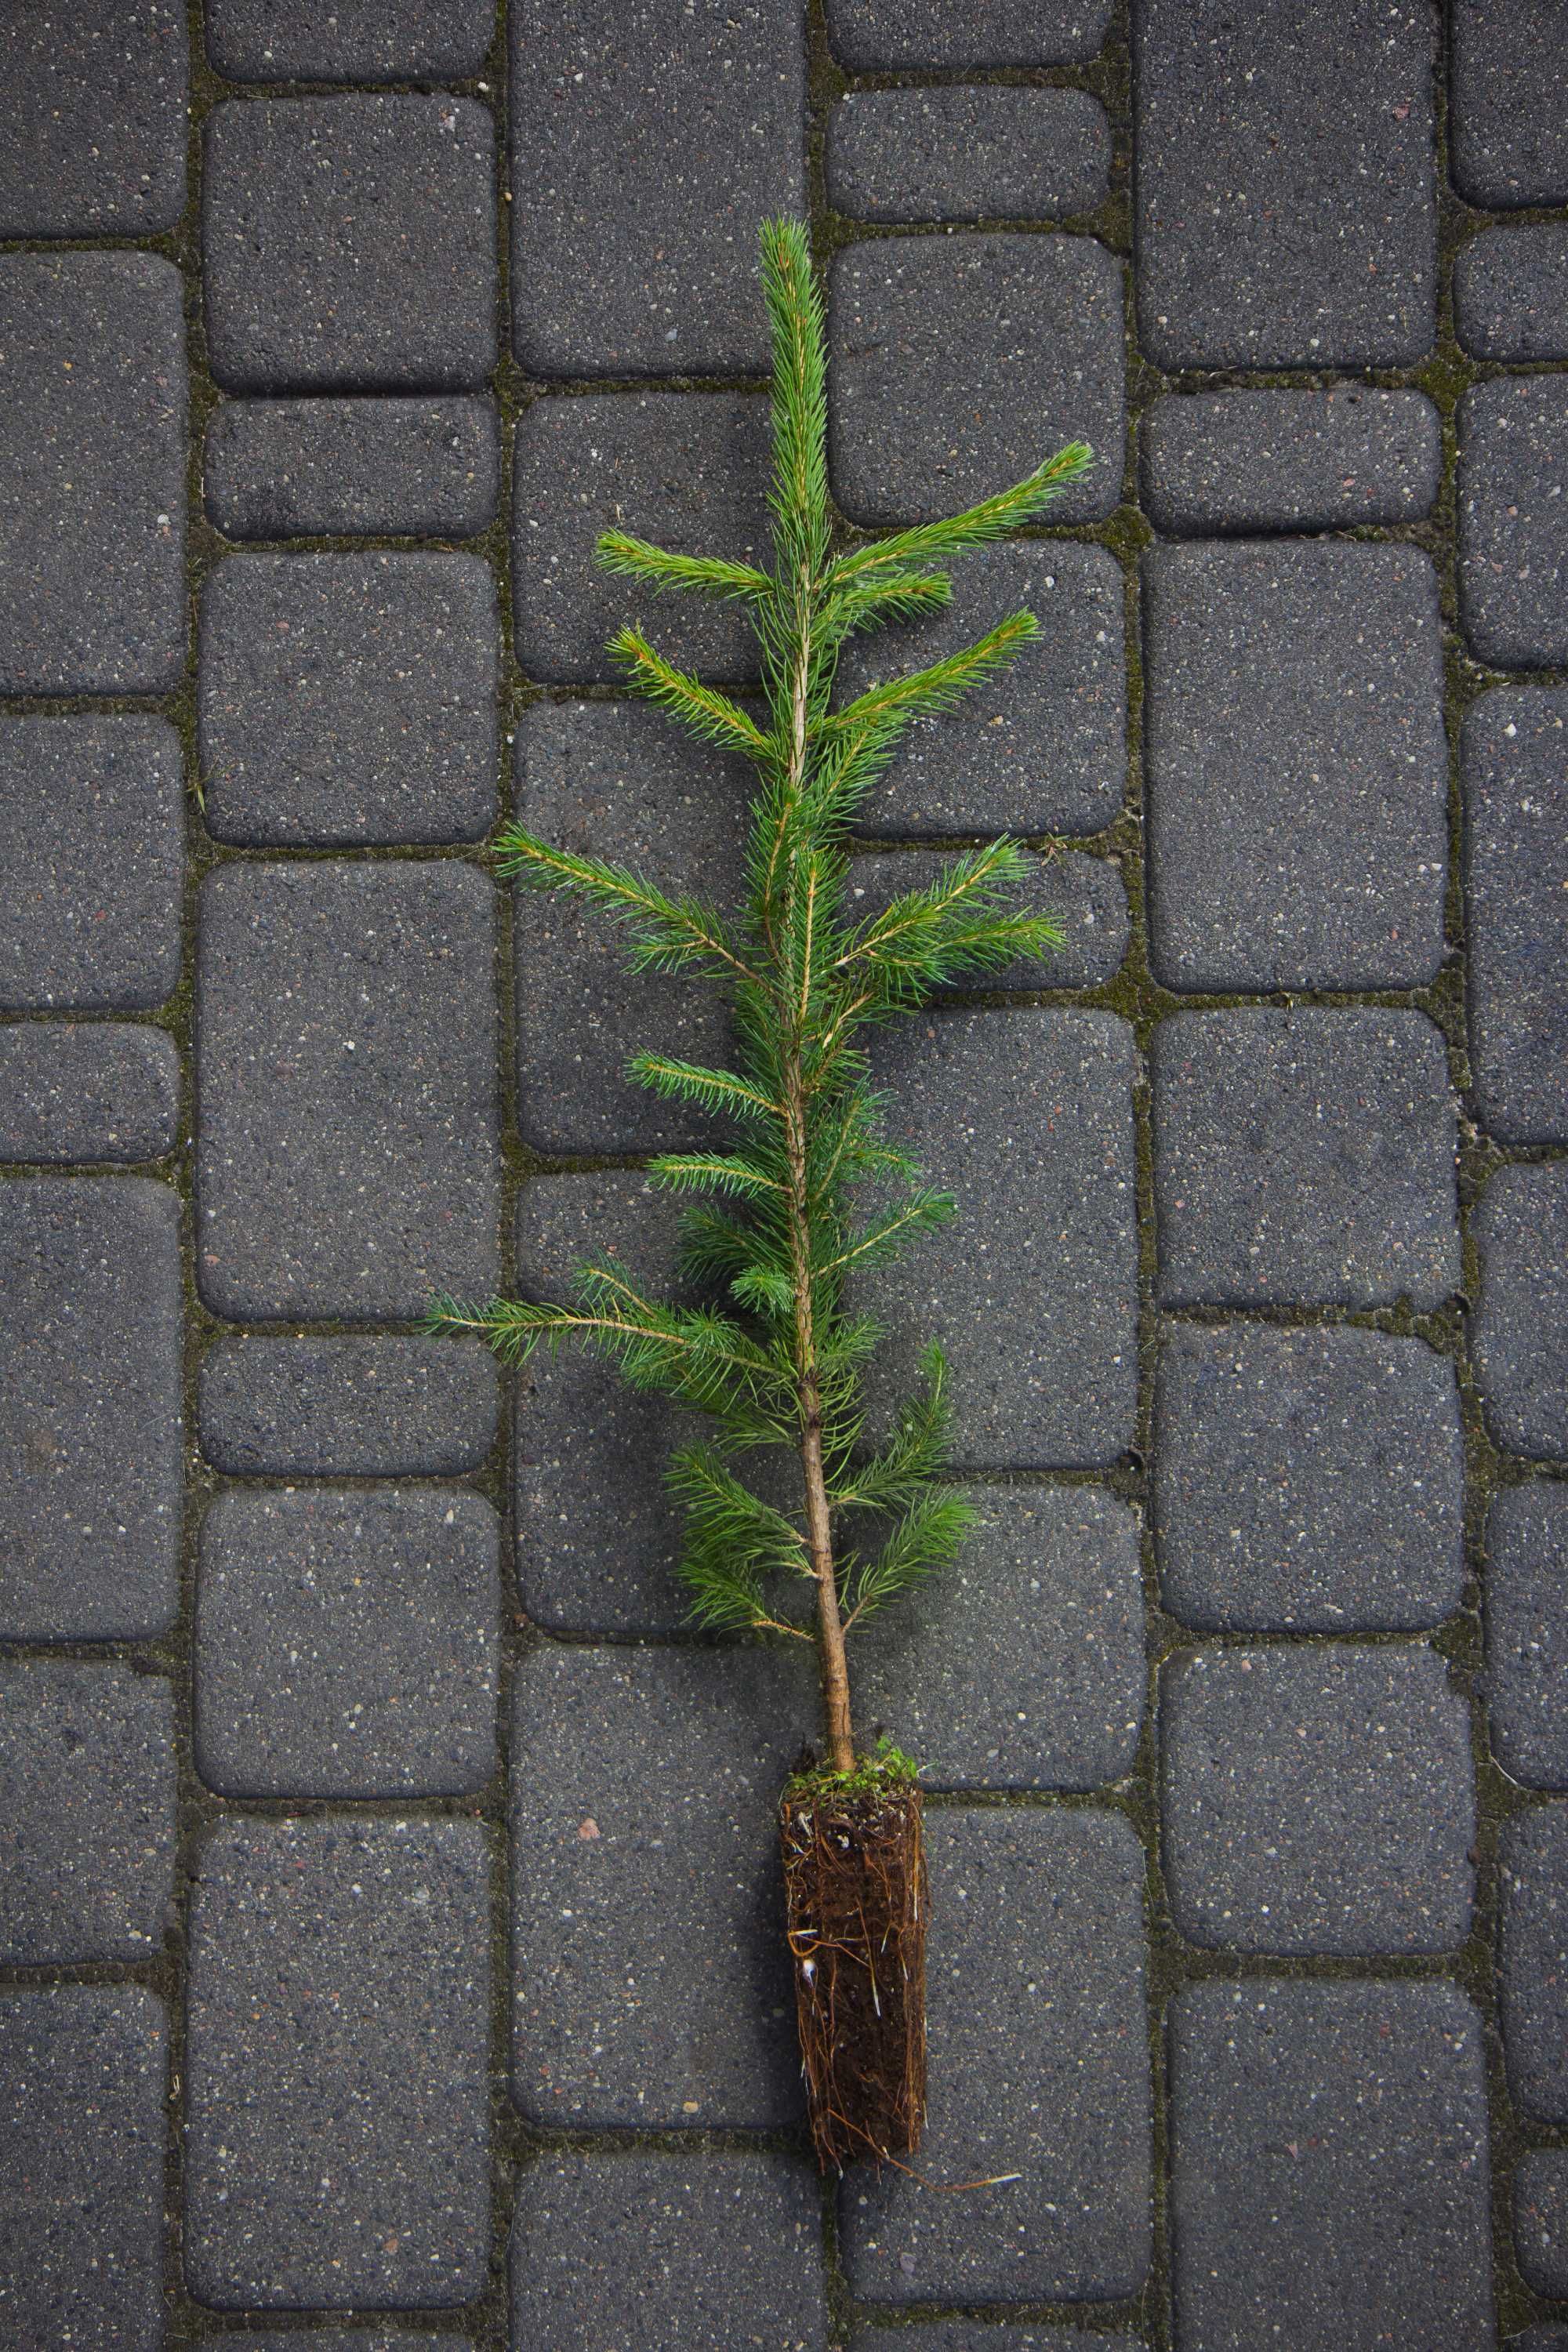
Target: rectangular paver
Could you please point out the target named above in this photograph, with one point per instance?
(1510, 119)
(370, 1408)
(1514, 522)
(1541, 2219)
(354, 40)
(92, 142)
(1084, 896)
(1243, 461)
(1520, 1331)
(285, 468)
(967, 154)
(871, 35)
(1513, 755)
(74, 1091)
(1510, 293)
(1533, 1962)
(1527, 1632)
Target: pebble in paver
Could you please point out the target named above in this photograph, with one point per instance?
(1527, 1632)
(91, 1454)
(1330, 2173)
(92, 811)
(668, 2253)
(92, 142)
(1513, 754)
(1541, 2219)
(1533, 1962)
(1521, 1332)
(1038, 2065)
(1514, 522)
(1084, 896)
(348, 1143)
(967, 154)
(92, 506)
(87, 1818)
(686, 469)
(354, 40)
(1509, 105)
(649, 146)
(1304, 1158)
(1022, 1665)
(611, 780)
(335, 2068)
(82, 2082)
(1286, 206)
(1026, 1118)
(349, 699)
(1510, 293)
(381, 1408)
(1043, 748)
(960, 364)
(284, 468)
(1316, 1800)
(349, 244)
(1312, 855)
(1245, 461)
(73, 1093)
(346, 1644)
(652, 1984)
(869, 36)
(1307, 1481)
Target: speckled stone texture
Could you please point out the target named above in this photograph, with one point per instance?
(1519, 1335)
(1237, 461)
(1509, 118)
(1514, 761)
(284, 468)
(976, 2335)
(1527, 1632)
(92, 142)
(967, 154)
(75, 1092)
(1532, 1961)
(382, 1408)
(354, 40)
(872, 36)
(1510, 293)
(1514, 522)
(1541, 2219)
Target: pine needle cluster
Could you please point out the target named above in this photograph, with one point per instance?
(808, 1192)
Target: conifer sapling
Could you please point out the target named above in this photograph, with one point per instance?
(809, 1193)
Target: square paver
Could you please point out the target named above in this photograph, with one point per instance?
(967, 154)
(354, 40)
(1285, 208)
(91, 1447)
(92, 487)
(1510, 117)
(1527, 1632)
(1514, 522)
(1532, 1961)
(93, 138)
(1520, 1330)
(1240, 461)
(1304, 1157)
(349, 699)
(286, 468)
(349, 244)
(1510, 293)
(1316, 1800)
(347, 1644)
(386, 1408)
(1513, 757)
(961, 365)
(870, 36)
(348, 1133)
(1312, 854)
(1541, 2219)
(1330, 2180)
(1307, 1481)
(77, 1091)
(87, 1817)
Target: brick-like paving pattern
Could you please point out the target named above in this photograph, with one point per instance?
(389, 1947)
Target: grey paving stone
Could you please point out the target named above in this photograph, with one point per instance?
(82, 2075)
(110, 1090)
(285, 468)
(349, 699)
(1084, 896)
(92, 811)
(1038, 2065)
(355, 40)
(1512, 753)
(93, 140)
(91, 1453)
(1514, 522)
(1510, 102)
(1026, 1117)
(669, 2253)
(384, 1408)
(347, 1645)
(1042, 748)
(92, 506)
(686, 469)
(1520, 1330)
(647, 147)
(651, 1981)
(1545, 2338)
(1527, 1632)
(969, 2335)
(1330, 2174)
(619, 781)
(87, 1851)
(869, 36)
(1312, 855)
(1510, 293)
(1541, 2219)
(349, 244)
(1234, 461)
(348, 1141)
(1305, 1159)
(1307, 1481)
(1022, 1665)
(1532, 1961)
(337, 2121)
(967, 154)
(960, 365)
(348, 2339)
(1316, 1800)
(1286, 206)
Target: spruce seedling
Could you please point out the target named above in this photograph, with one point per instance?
(809, 1193)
